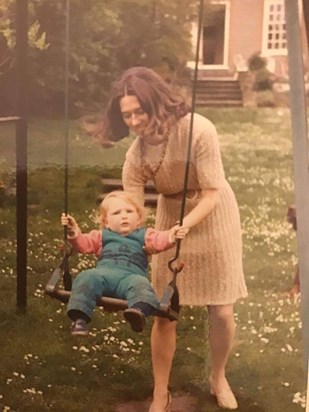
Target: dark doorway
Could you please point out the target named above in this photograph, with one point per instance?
(213, 35)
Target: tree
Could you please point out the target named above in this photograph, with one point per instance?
(105, 39)
(7, 55)
(92, 29)
(162, 37)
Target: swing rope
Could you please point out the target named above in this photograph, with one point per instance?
(66, 112)
(67, 251)
(171, 295)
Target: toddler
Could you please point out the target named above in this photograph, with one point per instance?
(121, 246)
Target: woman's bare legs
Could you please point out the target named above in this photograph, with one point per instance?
(222, 333)
(163, 344)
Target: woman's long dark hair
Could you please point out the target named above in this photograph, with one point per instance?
(163, 105)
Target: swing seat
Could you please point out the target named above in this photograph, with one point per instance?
(169, 306)
(107, 303)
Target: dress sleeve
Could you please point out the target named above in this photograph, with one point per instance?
(207, 154)
(157, 240)
(133, 177)
(87, 242)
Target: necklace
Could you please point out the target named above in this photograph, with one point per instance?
(152, 156)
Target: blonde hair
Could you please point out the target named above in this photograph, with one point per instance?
(125, 196)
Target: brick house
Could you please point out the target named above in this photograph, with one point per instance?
(234, 30)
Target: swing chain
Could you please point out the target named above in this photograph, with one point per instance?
(66, 249)
(178, 268)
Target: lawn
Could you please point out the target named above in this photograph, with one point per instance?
(43, 368)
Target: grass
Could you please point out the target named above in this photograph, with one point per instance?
(44, 369)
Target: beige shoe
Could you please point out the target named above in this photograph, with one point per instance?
(168, 407)
(225, 398)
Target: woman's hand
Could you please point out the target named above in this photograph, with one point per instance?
(178, 232)
(70, 222)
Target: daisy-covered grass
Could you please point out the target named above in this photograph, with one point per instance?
(43, 368)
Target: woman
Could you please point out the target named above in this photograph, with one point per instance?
(143, 103)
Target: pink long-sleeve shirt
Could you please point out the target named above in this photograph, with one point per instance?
(155, 241)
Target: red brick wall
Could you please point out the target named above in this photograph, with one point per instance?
(246, 26)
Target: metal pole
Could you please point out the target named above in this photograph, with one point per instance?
(307, 397)
(21, 152)
(300, 156)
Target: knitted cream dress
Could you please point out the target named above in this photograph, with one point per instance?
(212, 251)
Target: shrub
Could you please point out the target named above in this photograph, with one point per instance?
(264, 79)
(256, 62)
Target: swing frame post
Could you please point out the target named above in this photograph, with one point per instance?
(21, 152)
(300, 158)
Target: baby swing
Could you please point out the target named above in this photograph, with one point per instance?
(169, 304)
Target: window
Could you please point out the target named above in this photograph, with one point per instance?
(274, 35)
